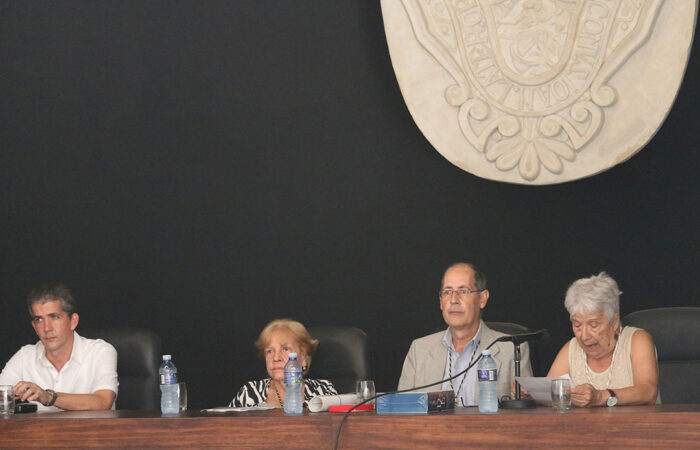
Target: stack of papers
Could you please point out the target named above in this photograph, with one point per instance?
(260, 407)
(540, 388)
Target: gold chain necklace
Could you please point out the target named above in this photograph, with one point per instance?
(471, 360)
(612, 364)
(279, 399)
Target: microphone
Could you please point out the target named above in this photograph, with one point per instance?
(524, 337)
(517, 339)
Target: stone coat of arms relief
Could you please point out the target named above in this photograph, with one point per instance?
(539, 91)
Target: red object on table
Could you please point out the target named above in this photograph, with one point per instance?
(345, 408)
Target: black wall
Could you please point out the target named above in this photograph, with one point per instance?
(200, 168)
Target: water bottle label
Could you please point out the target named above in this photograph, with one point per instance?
(168, 378)
(292, 377)
(487, 375)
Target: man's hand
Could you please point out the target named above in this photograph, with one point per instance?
(28, 391)
(524, 394)
(585, 395)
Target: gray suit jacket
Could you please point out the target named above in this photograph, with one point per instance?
(426, 359)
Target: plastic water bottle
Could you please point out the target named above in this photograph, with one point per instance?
(293, 386)
(169, 394)
(488, 381)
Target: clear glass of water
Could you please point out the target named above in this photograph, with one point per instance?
(364, 389)
(7, 400)
(561, 394)
(182, 389)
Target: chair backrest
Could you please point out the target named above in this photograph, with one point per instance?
(508, 327)
(138, 360)
(676, 333)
(342, 356)
(516, 328)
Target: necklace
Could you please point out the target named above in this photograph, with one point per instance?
(610, 369)
(471, 360)
(279, 399)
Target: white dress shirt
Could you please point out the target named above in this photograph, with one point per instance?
(92, 367)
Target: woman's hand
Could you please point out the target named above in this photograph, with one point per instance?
(585, 395)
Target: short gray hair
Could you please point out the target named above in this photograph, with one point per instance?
(52, 293)
(596, 293)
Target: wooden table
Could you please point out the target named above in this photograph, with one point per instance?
(660, 426)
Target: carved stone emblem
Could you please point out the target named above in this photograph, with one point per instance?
(539, 91)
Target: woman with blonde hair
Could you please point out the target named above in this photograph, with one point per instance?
(277, 340)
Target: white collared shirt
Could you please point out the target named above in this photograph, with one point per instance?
(460, 362)
(92, 366)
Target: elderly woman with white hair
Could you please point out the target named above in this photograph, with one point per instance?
(608, 363)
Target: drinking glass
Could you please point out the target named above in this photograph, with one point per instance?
(561, 394)
(7, 400)
(364, 389)
(182, 390)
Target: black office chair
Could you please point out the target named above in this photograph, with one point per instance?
(676, 333)
(516, 328)
(342, 356)
(138, 360)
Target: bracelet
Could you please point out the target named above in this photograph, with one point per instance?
(54, 396)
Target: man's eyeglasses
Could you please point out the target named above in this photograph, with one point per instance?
(461, 293)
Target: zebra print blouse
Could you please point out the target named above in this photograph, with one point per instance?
(255, 392)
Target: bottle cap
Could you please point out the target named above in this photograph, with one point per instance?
(292, 355)
(167, 357)
(486, 352)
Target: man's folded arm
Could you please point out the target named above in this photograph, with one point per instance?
(101, 399)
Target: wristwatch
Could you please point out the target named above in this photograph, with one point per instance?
(612, 400)
(54, 396)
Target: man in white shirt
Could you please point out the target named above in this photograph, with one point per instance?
(63, 371)
(463, 295)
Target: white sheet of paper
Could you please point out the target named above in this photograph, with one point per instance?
(540, 387)
(221, 409)
(323, 402)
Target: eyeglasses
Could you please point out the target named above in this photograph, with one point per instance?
(461, 293)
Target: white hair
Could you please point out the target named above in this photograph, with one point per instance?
(596, 293)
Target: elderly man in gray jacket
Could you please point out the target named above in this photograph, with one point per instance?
(441, 355)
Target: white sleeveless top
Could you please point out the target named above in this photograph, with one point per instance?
(621, 377)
